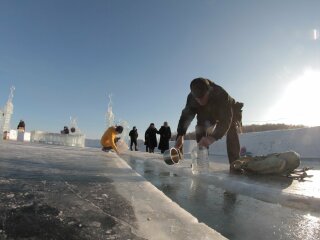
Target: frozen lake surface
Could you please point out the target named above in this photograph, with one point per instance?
(239, 207)
(84, 193)
(59, 192)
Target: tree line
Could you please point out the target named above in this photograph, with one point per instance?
(250, 128)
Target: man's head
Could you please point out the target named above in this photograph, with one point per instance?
(165, 124)
(119, 129)
(134, 128)
(200, 88)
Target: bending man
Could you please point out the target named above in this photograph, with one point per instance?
(217, 114)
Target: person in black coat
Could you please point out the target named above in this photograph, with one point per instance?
(133, 138)
(165, 135)
(146, 140)
(151, 136)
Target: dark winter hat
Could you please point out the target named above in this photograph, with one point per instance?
(199, 87)
(119, 129)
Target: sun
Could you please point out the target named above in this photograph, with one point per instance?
(300, 103)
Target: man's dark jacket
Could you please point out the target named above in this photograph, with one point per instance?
(218, 111)
(133, 134)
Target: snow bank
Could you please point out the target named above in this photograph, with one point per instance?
(305, 141)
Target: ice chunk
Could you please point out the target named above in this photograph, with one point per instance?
(200, 160)
(74, 140)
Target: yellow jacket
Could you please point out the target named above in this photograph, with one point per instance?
(107, 140)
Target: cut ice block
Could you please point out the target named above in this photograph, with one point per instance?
(74, 140)
(200, 160)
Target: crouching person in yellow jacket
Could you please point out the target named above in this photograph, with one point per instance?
(109, 138)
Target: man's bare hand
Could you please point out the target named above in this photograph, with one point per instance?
(179, 142)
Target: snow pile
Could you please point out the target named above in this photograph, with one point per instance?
(304, 141)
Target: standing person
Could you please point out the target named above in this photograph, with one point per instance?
(146, 140)
(165, 135)
(152, 137)
(133, 138)
(109, 138)
(217, 114)
(21, 126)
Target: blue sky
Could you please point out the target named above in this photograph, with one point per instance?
(65, 57)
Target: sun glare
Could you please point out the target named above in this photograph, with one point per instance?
(300, 101)
(315, 34)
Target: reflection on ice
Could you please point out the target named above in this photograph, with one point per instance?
(231, 203)
(309, 186)
(276, 189)
(310, 227)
